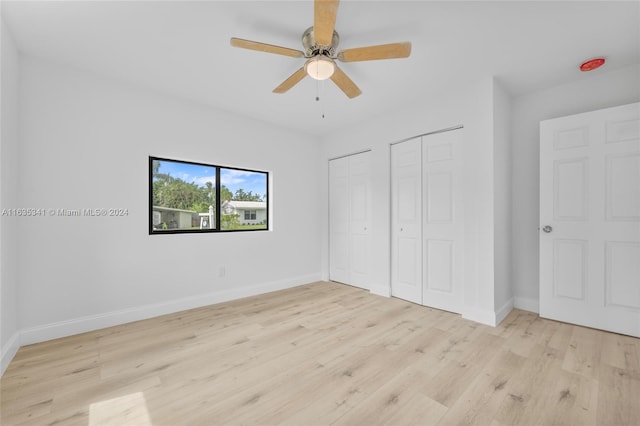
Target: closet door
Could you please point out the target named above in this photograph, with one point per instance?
(339, 220)
(406, 220)
(359, 219)
(350, 219)
(443, 221)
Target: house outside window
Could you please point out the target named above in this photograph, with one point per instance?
(247, 212)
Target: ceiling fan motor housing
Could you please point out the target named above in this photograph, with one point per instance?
(312, 48)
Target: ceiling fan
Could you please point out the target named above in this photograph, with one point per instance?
(320, 44)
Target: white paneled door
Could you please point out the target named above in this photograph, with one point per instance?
(427, 226)
(350, 219)
(339, 220)
(443, 221)
(359, 219)
(590, 219)
(406, 220)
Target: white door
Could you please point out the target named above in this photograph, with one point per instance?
(406, 220)
(339, 220)
(443, 221)
(590, 219)
(350, 219)
(359, 219)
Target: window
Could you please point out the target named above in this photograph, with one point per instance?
(189, 197)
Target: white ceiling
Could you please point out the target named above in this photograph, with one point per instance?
(182, 48)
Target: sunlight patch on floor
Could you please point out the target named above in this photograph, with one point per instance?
(125, 410)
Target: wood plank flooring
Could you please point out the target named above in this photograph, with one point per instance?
(324, 354)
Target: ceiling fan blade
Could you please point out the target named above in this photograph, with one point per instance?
(382, 51)
(264, 47)
(345, 83)
(324, 20)
(291, 81)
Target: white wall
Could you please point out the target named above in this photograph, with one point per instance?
(503, 296)
(86, 142)
(470, 105)
(9, 340)
(604, 89)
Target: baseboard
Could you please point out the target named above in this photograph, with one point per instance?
(502, 313)
(59, 329)
(526, 304)
(488, 317)
(9, 350)
(481, 316)
(380, 290)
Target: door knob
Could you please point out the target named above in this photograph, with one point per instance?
(547, 229)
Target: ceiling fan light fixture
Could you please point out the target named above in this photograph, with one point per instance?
(320, 67)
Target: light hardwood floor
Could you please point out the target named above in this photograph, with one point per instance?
(322, 354)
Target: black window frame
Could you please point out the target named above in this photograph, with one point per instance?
(218, 204)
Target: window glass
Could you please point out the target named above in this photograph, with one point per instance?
(244, 199)
(194, 197)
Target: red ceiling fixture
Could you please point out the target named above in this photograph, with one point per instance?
(591, 64)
